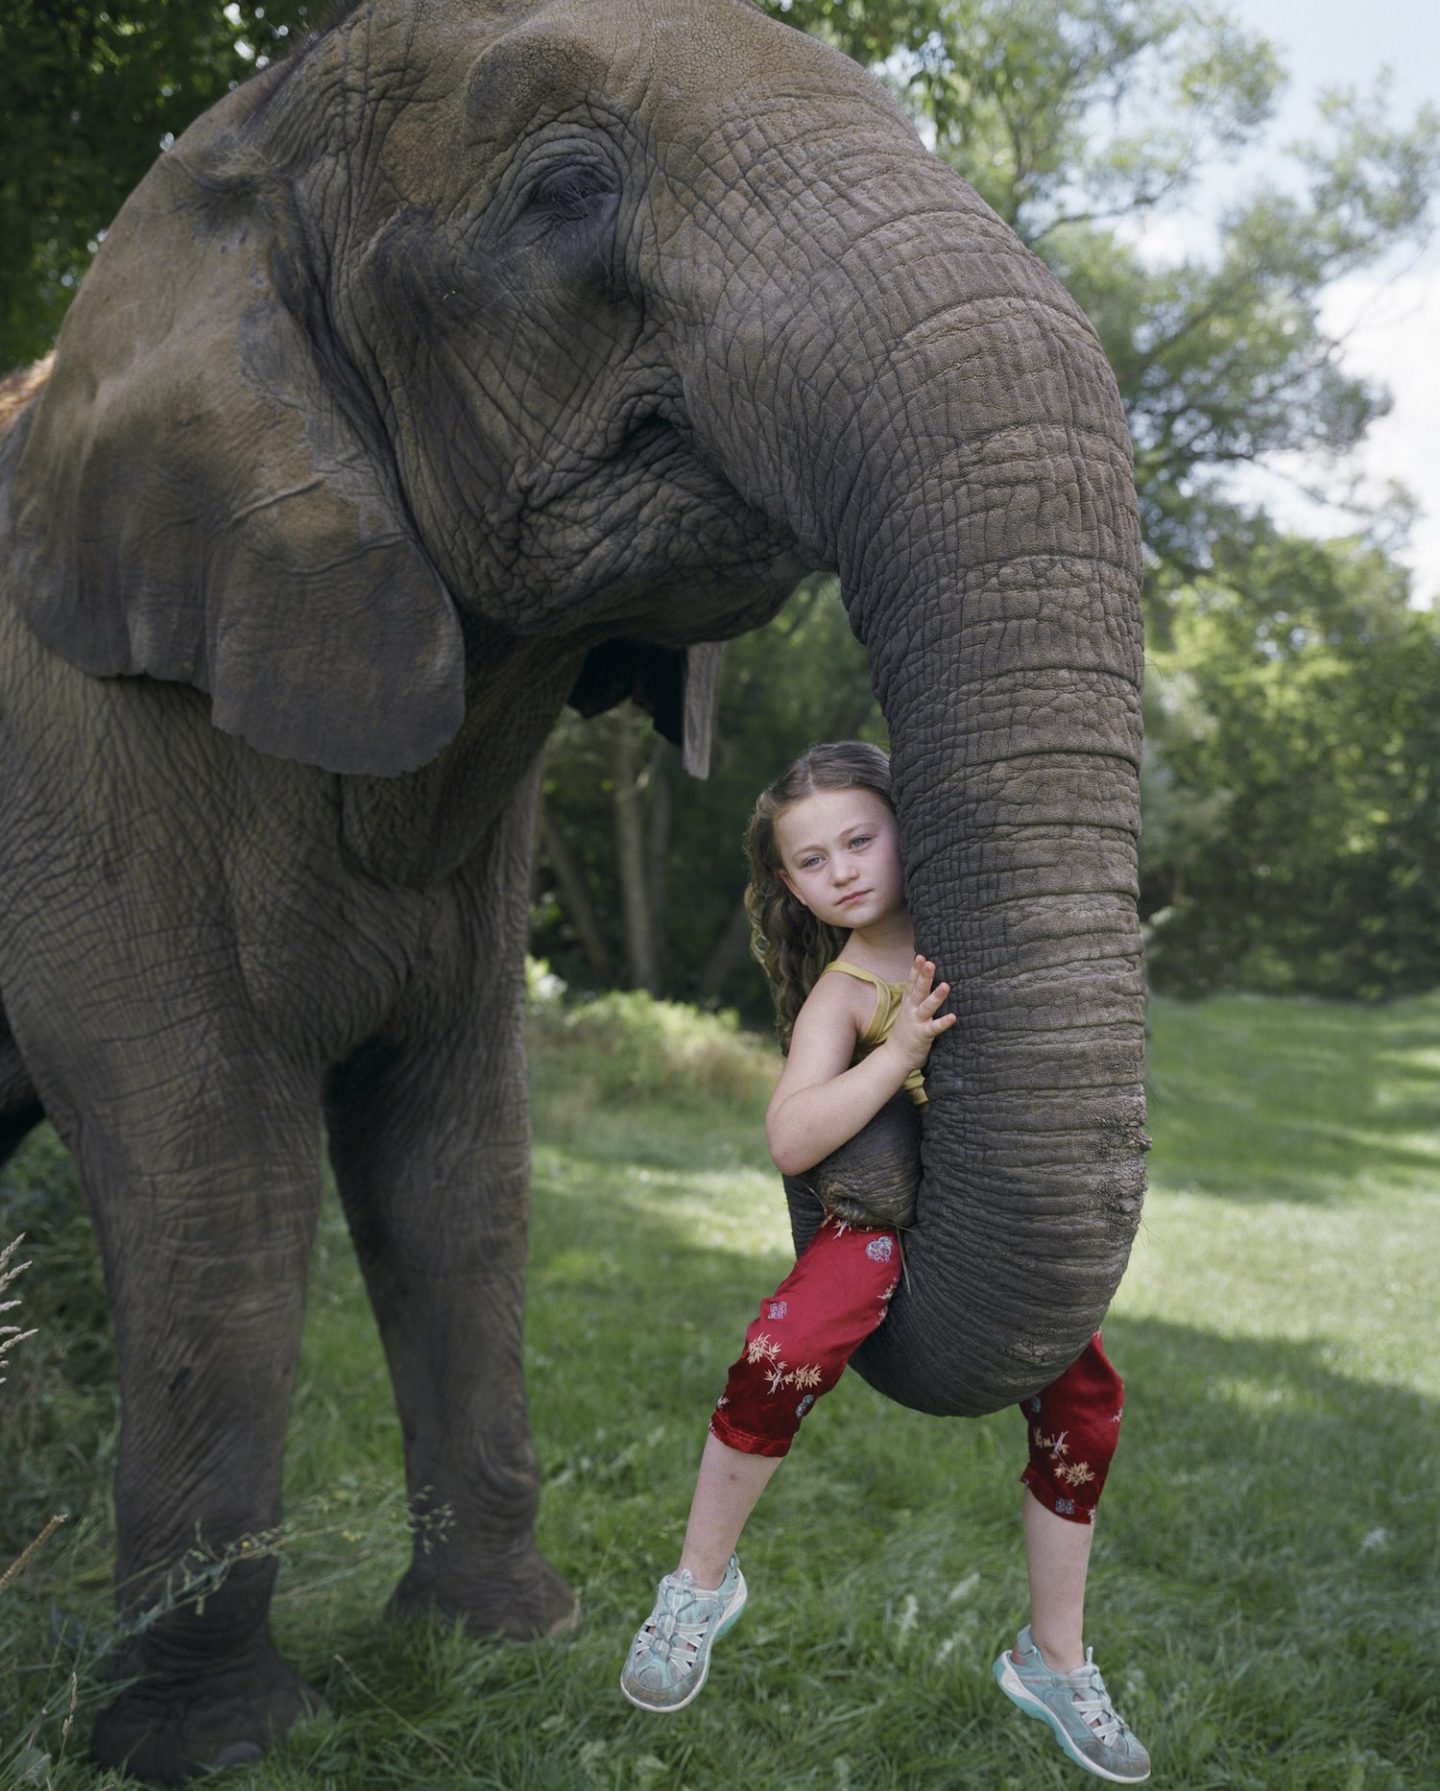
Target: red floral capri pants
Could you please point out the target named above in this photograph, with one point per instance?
(826, 1307)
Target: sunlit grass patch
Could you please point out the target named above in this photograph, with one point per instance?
(1302, 1100)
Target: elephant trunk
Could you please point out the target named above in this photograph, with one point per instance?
(1006, 651)
(961, 455)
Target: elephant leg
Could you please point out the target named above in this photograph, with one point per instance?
(205, 1200)
(429, 1131)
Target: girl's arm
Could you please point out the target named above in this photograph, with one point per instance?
(820, 1101)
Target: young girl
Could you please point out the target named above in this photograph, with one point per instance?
(826, 896)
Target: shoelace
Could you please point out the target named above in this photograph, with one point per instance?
(674, 1629)
(1093, 1705)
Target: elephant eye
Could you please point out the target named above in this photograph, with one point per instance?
(573, 191)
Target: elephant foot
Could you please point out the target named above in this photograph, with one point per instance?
(520, 1600)
(170, 1727)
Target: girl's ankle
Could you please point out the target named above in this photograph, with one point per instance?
(1059, 1656)
(703, 1573)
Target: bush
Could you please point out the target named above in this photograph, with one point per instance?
(627, 1045)
(60, 1396)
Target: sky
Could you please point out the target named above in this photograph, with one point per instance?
(1393, 314)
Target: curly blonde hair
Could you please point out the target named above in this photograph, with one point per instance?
(792, 946)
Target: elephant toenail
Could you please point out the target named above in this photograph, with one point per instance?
(238, 1753)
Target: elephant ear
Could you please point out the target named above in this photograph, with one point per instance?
(204, 494)
(678, 686)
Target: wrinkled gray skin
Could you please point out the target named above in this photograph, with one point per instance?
(466, 340)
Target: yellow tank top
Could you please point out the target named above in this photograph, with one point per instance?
(887, 1005)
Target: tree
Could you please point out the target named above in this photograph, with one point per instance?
(90, 95)
(1298, 764)
(1079, 119)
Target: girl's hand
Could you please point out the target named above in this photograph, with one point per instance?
(918, 1024)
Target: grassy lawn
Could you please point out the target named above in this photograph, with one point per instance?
(1266, 1589)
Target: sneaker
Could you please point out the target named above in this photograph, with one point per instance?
(670, 1658)
(1077, 1707)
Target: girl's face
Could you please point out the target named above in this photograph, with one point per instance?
(840, 856)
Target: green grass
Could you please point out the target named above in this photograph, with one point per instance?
(1265, 1597)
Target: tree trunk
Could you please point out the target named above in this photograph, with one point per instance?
(575, 898)
(630, 854)
(658, 811)
(726, 953)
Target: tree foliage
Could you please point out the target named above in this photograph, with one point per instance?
(1080, 121)
(1293, 778)
(89, 95)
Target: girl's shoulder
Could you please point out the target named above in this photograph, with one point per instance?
(893, 976)
(836, 999)
(860, 973)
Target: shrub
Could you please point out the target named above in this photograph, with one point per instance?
(60, 1395)
(627, 1045)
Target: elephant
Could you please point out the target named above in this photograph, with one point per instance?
(476, 357)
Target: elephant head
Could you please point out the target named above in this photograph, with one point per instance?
(481, 325)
